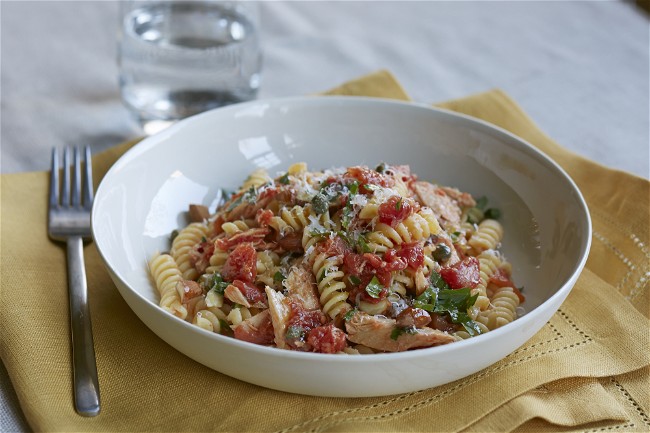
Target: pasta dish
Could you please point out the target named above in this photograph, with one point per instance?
(350, 260)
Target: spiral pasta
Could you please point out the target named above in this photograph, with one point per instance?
(416, 227)
(487, 236)
(256, 179)
(166, 275)
(503, 309)
(332, 289)
(183, 243)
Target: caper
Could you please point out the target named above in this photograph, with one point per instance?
(442, 252)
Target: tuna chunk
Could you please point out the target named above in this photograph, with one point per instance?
(447, 211)
(376, 331)
(280, 312)
(301, 287)
(464, 199)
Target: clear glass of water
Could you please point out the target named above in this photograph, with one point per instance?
(180, 58)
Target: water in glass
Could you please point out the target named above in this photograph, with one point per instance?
(177, 59)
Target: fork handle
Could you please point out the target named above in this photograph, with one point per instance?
(86, 385)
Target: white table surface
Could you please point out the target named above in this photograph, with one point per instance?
(579, 69)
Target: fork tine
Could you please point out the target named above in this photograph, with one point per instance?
(54, 179)
(65, 190)
(88, 179)
(76, 178)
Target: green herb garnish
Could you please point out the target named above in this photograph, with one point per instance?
(348, 316)
(374, 288)
(354, 280)
(493, 213)
(363, 244)
(250, 196)
(284, 180)
(396, 332)
(278, 277)
(455, 303)
(481, 202)
(214, 282)
(438, 282)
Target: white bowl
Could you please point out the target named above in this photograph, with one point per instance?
(144, 195)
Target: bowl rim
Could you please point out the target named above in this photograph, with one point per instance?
(446, 115)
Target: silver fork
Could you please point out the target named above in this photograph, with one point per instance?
(69, 221)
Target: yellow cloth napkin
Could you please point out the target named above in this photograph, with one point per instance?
(586, 369)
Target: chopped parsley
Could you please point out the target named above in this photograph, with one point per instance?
(438, 282)
(374, 288)
(278, 277)
(481, 202)
(493, 213)
(284, 180)
(348, 316)
(353, 189)
(215, 282)
(397, 331)
(439, 299)
(363, 244)
(354, 280)
(250, 196)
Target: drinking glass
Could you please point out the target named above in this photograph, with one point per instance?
(180, 58)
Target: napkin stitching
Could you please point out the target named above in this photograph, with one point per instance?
(613, 427)
(645, 273)
(462, 384)
(631, 400)
(625, 230)
(636, 291)
(620, 255)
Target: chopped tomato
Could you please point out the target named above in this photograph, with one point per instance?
(395, 210)
(267, 193)
(354, 264)
(252, 293)
(263, 217)
(413, 255)
(365, 176)
(306, 319)
(463, 274)
(241, 264)
(300, 323)
(334, 246)
(327, 339)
